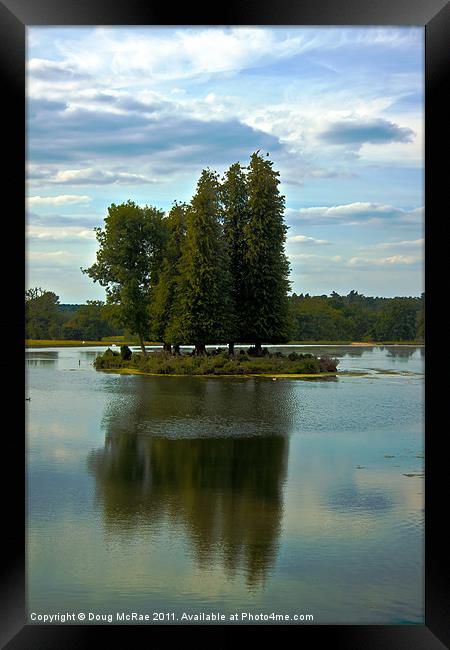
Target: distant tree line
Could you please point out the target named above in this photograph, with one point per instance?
(355, 317)
(46, 318)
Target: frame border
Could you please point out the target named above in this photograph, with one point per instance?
(434, 16)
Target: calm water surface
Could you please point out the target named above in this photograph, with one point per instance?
(166, 494)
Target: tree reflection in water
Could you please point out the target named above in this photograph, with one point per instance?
(400, 352)
(227, 491)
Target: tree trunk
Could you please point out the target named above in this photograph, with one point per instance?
(230, 348)
(167, 347)
(258, 349)
(141, 341)
(200, 349)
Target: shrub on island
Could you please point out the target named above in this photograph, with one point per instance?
(218, 362)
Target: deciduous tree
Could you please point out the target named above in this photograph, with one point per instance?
(131, 246)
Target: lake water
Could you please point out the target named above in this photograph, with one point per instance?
(197, 495)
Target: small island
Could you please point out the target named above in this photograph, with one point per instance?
(218, 362)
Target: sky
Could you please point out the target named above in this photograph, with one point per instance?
(118, 113)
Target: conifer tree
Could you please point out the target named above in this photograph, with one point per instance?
(163, 295)
(235, 216)
(266, 267)
(203, 310)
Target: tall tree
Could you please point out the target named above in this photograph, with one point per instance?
(235, 216)
(203, 310)
(163, 295)
(42, 317)
(129, 257)
(265, 317)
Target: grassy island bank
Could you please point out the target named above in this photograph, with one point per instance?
(218, 362)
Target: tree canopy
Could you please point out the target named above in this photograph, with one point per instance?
(266, 267)
(42, 318)
(130, 254)
(203, 310)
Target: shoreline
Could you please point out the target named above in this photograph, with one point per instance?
(134, 371)
(84, 344)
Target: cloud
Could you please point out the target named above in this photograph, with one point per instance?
(354, 213)
(323, 264)
(293, 181)
(84, 222)
(330, 173)
(385, 261)
(67, 233)
(307, 240)
(92, 176)
(354, 133)
(39, 109)
(82, 134)
(62, 199)
(317, 258)
(177, 53)
(405, 244)
(53, 71)
(52, 258)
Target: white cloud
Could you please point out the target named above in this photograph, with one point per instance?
(91, 176)
(383, 261)
(53, 257)
(322, 259)
(172, 53)
(400, 259)
(354, 213)
(70, 233)
(307, 240)
(48, 70)
(410, 243)
(62, 199)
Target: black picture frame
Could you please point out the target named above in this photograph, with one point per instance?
(15, 16)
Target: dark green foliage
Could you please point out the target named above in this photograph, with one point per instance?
(355, 317)
(110, 354)
(162, 307)
(68, 310)
(235, 207)
(125, 352)
(203, 308)
(420, 324)
(265, 317)
(162, 363)
(88, 323)
(255, 351)
(43, 320)
(398, 322)
(128, 261)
